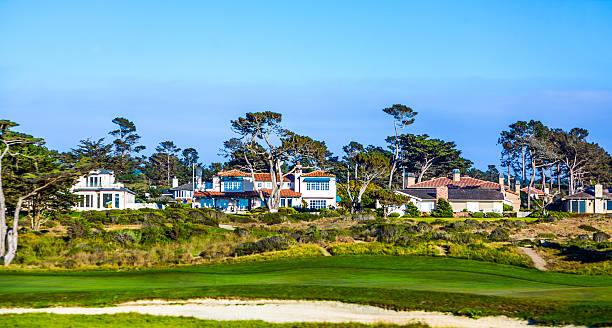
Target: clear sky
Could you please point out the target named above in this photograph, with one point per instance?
(181, 70)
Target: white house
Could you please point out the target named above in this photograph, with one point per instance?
(99, 191)
(182, 193)
(235, 191)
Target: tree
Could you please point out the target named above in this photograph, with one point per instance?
(413, 210)
(514, 147)
(367, 165)
(443, 209)
(261, 136)
(190, 157)
(402, 117)
(21, 149)
(95, 151)
(388, 199)
(435, 156)
(581, 159)
(539, 150)
(125, 144)
(169, 150)
(492, 173)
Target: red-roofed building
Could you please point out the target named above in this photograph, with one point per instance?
(462, 192)
(236, 191)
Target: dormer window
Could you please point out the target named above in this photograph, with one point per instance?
(94, 181)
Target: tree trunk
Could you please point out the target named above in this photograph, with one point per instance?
(3, 227)
(393, 168)
(523, 164)
(13, 235)
(559, 177)
(168, 169)
(533, 173)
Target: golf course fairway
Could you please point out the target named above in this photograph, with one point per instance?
(400, 282)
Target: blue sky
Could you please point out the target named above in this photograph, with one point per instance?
(183, 69)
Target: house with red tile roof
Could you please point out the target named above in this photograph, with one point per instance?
(236, 191)
(463, 193)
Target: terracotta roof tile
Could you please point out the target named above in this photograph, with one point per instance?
(267, 177)
(284, 193)
(463, 183)
(238, 173)
(233, 173)
(533, 191)
(318, 173)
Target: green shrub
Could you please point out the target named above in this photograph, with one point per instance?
(272, 218)
(259, 210)
(600, 236)
(394, 215)
(493, 215)
(478, 215)
(588, 228)
(274, 243)
(546, 236)
(240, 218)
(412, 210)
(508, 208)
(152, 235)
(125, 236)
(79, 228)
(499, 234)
(443, 209)
(327, 213)
(304, 217)
(389, 233)
(287, 210)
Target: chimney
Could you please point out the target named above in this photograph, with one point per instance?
(517, 186)
(441, 192)
(502, 181)
(297, 174)
(409, 180)
(175, 182)
(456, 175)
(598, 191)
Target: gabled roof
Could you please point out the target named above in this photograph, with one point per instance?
(187, 186)
(455, 194)
(247, 194)
(589, 194)
(318, 173)
(475, 194)
(420, 193)
(238, 173)
(233, 173)
(464, 182)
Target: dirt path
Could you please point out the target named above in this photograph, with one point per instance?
(538, 261)
(286, 311)
(324, 251)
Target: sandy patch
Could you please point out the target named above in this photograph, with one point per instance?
(282, 311)
(538, 262)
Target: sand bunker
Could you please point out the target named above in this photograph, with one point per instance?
(285, 311)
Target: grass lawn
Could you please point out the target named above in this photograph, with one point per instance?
(440, 284)
(31, 320)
